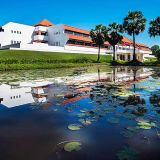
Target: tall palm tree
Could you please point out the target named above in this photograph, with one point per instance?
(114, 36)
(134, 23)
(154, 29)
(98, 37)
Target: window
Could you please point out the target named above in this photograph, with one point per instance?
(11, 42)
(14, 31)
(14, 42)
(17, 32)
(1, 29)
(11, 31)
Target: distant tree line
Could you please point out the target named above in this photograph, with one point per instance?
(133, 24)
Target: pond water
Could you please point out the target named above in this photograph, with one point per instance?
(93, 113)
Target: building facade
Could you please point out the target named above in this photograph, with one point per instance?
(46, 36)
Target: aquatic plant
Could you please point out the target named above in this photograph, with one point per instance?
(72, 146)
(74, 127)
(146, 125)
(127, 153)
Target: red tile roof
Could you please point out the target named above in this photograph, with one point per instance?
(141, 44)
(74, 29)
(127, 40)
(44, 22)
(75, 99)
(80, 38)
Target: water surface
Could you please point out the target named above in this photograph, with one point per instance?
(117, 109)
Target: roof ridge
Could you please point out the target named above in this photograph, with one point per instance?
(75, 27)
(44, 22)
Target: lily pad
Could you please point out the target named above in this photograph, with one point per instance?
(146, 125)
(83, 111)
(132, 128)
(74, 127)
(72, 146)
(85, 121)
(127, 153)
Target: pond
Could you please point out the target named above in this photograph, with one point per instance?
(92, 113)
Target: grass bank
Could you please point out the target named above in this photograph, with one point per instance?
(24, 60)
(150, 62)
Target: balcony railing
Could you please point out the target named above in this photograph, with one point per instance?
(41, 37)
(41, 28)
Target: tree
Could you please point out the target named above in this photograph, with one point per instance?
(155, 49)
(98, 37)
(114, 36)
(134, 23)
(154, 29)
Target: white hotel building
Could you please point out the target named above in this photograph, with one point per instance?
(45, 36)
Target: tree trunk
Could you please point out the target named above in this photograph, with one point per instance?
(99, 50)
(114, 52)
(134, 48)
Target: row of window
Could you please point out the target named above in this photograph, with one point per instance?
(1, 29)
(16, 32)
(123, 48)
(56, 43)
(76, 33)
(15, 42)
(15, 97)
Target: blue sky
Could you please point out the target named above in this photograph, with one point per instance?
(83, 13)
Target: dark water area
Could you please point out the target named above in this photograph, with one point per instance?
(111, 114)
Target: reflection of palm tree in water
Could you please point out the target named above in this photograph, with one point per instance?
(114, 74)
(134, 69)
(99, 75)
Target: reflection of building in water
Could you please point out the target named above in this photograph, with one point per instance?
(118, 74)
(39, 91)
(24, 93)
(82, 85)
(129, 74)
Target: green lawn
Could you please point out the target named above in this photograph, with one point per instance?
(15, 60)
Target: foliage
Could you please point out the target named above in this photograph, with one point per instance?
(74, 127)
(113, 36)
(134, 23)
(72, 146)
(154, 49)
(154, 29)
(98, 37)
(127, 153)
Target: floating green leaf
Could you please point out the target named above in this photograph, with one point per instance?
(132, 128)
(72, 146)
(85, 121)
(146, 125)
(74, 127)
(127, 153)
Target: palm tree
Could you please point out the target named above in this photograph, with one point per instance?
(134, 23)
(114, 36)
(154, 29)
(98, 37)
